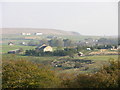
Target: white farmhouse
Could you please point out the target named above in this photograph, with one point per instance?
(26, 33)
(38, 33)
(10, 43)
(88, 48)
(23, 33)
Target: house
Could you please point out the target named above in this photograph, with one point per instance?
(16, 51)
(45, 48)
(80, 54)
(23, 33)
(88, 48)
(10, 43)
(23, 43)
(38, 33)
(26, 33)
(114, 48)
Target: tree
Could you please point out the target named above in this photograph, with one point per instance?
(44, 41)
(59, 43)
(52, 42)
(21, 49)
(68, 43)
(106, 41)
(33, 43)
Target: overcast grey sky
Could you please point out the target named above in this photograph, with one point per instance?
(87, 18)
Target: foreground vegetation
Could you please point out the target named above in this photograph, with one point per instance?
(24, 74)
(19, 72)
(106, 77)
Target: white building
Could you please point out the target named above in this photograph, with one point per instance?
(23, 43)
(38, 33)
(88, 48)
(23, 33)
(26, 33)
(10, 43)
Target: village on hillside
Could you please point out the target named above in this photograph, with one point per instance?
(92, 46)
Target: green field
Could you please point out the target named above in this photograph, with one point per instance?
(99, 61)
(101, 57)
(6, 48)
(20, 38)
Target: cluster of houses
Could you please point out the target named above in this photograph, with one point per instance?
(46, 48)
(89, 41)
(37, 33)
(26, 33)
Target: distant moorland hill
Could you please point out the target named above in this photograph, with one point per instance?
(34, 30)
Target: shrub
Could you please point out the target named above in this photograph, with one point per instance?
(107, 77)
(25, 74)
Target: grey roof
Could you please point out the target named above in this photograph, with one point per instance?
(41, 48)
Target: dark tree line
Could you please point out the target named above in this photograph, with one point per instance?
(55, 42)
(59, 42)
(65, 52)
(109, 41)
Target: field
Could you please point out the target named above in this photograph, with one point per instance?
(98, 62)
(6, 48)
(21, 38)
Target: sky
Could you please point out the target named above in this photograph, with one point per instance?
(87, 18)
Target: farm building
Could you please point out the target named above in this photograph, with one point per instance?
(38, 33)
(26, 33)
(88, 48)
(45, 48)
(23, 43)
(80, 54)
(114, 48)
(16, 51)
(10, 43)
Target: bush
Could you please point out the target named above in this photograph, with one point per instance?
(25, 74)
(65, 52)
(107, 77)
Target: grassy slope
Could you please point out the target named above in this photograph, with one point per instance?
(101, 57)
(98, 62)
(6, 48)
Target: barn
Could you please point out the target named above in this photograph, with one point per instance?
(16, 51)
(45, 48)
